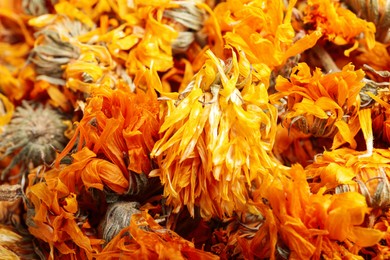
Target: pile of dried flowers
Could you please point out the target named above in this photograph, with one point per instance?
(200, 129)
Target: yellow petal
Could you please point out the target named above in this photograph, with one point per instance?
(366, 125)
(365, 237)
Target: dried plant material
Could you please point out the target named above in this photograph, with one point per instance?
(146, 239)
(14, 245)
(183, 127)
(117, 217)
(10, 192)
(344, 170)
(51, 55)
(35, 7)
(375, 11)
(10, 212)
(323, 105)
(339, 25)
(188, 18)
(35, 133)
(212, 121)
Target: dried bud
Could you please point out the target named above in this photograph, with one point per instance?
(33, 136)
(189, 20)
(117, 217)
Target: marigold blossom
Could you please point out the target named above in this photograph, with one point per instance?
(322, 105)
(216, 140)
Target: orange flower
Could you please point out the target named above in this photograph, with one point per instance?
(376, 12)
(119, 135)
(90, 172)
(262, 30)
(378, 58)
(216, 139)
(383, 224)
(346, 169)
(377, 99)
(338, 24)
(308, 224)
(146, 239)
(144, 40)
(15, 43)
(94, 68)
(322, 105)
(51, 211)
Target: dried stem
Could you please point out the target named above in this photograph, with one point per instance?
(326, 60)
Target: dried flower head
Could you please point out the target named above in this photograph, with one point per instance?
(35, 7)
(55, 46)
(323, 105)
(117, 217)
(374, 11)
(33, 136)
(188, 20)
(216, 140)
(51, 55)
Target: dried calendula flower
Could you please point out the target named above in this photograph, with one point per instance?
(323, 105)
(338, 24)
(345, 170)
(56, 45)
(216, 139)
(188, 20)
(376, 11)
(50, 54)
(35, 7)
(263, 30)
(309, 223)
(377, 96)
(33, 135)
(144, 238)
(117, 217)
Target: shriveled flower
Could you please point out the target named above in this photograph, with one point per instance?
(216, 139)
(263, 30)
(188, 19)
(377, 95)
(323, 105)
(55, 46)
(146, 239)
(232, 238)
(344, 170)
(55, 217)
(376, 12)
(145, 40)
(309, 224)
(35, 7)
(15, 43)
(378, 58)
(292, 146)
(338, 24)
(15, 244)
(33, 136)
(113, 140)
